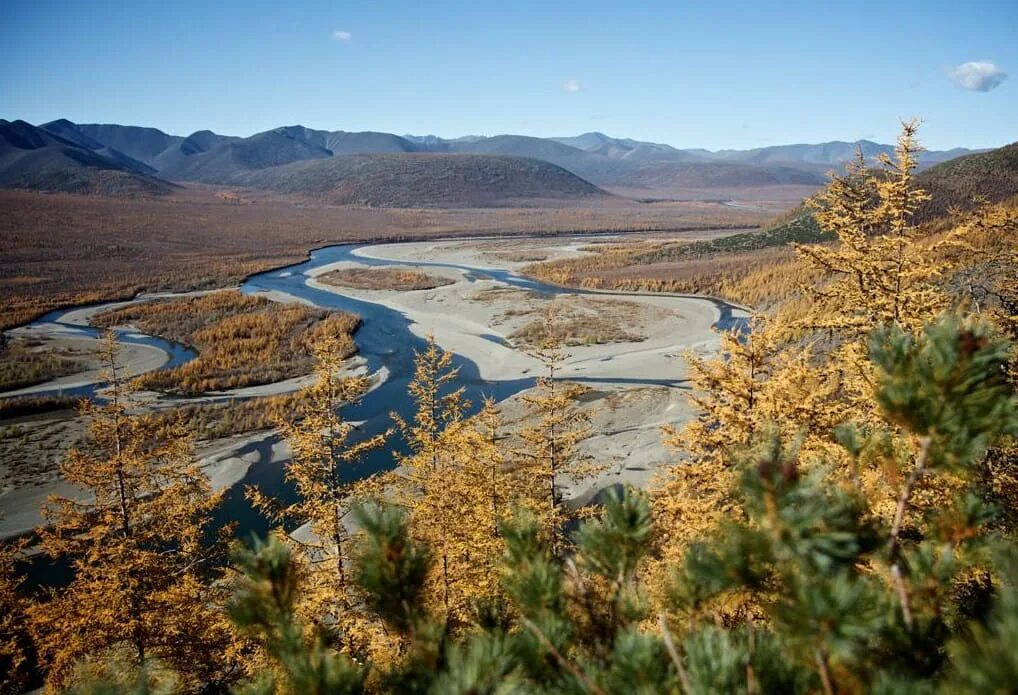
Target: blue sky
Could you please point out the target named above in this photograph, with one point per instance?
(692, 74)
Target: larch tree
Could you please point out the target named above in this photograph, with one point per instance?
(455, 487)
(140, 550)
(325, 457)
(884, 269)
(805, 370)
(546, 454)
(15, 642)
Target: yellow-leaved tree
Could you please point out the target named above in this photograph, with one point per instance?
(15, 642)
(456, 488)
(547, 459)
(141, 552)
(325, 457)
(884, 269)
(804, 371)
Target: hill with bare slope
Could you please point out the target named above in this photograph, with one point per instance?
(425, 180)
(37, 159)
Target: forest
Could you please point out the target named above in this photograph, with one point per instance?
(839, 518)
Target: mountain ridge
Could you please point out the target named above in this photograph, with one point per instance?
(605, 162)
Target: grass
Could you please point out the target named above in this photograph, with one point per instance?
(751, 268)
(21, 365)
(242, 340)
(399, 279)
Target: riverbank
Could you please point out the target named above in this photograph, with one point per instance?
(634, 371)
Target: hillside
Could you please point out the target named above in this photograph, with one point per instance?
(143, 144)
(424, 180)
(224, 163)
(957, 183)
(992, 175)
(35, 158)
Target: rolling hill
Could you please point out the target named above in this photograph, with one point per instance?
(224, 162)
(34, 158)
(424, 180)
(992, 175)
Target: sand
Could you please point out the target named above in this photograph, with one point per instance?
(636, 387)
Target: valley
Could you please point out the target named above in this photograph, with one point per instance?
(626, 351)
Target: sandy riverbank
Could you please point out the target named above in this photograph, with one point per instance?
(637, 387)
(635, 370)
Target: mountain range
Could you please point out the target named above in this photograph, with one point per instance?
(384, 169)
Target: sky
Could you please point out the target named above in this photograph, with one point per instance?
(710, 74)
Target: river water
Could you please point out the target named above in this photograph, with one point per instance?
(384, 340)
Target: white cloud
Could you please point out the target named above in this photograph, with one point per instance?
(572, 86)
(341, 36)
(978, 76)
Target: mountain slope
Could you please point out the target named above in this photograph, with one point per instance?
(223, 163)
(34, 158)
(834, 154)
(142, 144)
(424, 180)
(991, 175)
(69, 131)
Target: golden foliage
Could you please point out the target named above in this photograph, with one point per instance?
(456, 487)
(546, 455)
(402, 279)
(22, 364)
(136, 542)
(14, 638)
(804, 370)
(243, 340)
(323, 464)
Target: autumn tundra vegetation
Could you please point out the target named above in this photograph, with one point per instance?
(243, 340)
(840, 516)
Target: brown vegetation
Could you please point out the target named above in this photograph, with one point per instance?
(32, 447)
(23, 364)
(59, 249)
(242, 340)
(216, 420)
(582, 321)
(401, 279)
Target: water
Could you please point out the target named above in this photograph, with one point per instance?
(383, 340)
(179, 354)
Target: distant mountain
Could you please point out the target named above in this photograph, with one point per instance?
(826, 154)
(198, 142)
(340, 142)
(224, 162)
(143, 144)
(424, 180)
(625, 148)
(633, 166)
(35, 158)
(69, 131)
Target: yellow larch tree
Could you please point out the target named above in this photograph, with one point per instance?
(803, 371)
(140, 550)
(546, 454)
(455, 486)
(322, 469)
(15, 642)
(761, 382)
(884, 269)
